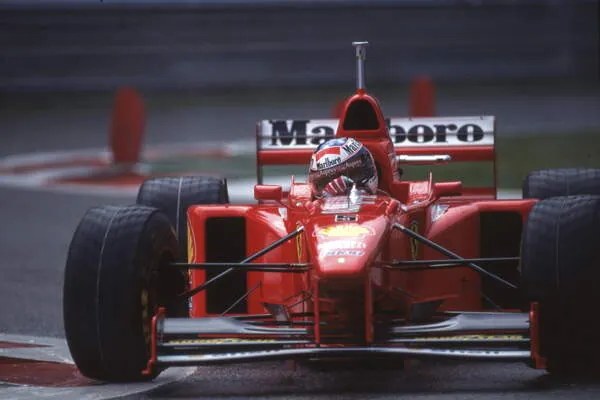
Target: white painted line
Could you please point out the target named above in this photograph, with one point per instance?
(99, 391)
(51, 350)
(152, 152)
(41, 158)
(43, 173)
(56, 350)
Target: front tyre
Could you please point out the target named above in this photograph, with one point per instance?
(117, 275)
(560, 264)
(174, 195)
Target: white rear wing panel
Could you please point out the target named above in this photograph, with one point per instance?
(462, 138)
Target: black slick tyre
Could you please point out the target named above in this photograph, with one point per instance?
(560, 269)
(174, 195)
(117, 274)
(547, 183)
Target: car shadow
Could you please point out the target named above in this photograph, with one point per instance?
(431, 379)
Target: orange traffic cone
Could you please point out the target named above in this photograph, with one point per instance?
(422, 97)
(127, 126)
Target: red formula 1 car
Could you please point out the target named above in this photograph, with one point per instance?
(420, 269)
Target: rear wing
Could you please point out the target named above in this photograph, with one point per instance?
(416, 140)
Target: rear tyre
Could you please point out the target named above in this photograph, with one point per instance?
(560, 264)
(117, 275)
(547, 183)
(174, 196)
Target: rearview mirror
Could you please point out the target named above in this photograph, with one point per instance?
(268, 192)
(447, 189)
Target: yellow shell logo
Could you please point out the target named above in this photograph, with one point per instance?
(344, 230)
(190, 245)
(414, 245)
(299, 239)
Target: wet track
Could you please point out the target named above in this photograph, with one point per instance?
(35, 230)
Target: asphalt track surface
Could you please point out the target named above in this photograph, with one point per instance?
(36, 227)
(36, 230)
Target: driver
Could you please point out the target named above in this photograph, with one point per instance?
(338, 164)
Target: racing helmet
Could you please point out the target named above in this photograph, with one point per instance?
(342, 157)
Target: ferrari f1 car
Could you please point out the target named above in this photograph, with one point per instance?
(419, 269)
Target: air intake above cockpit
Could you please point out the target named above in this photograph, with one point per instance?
(360, 115)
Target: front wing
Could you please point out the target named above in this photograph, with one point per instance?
(505, 336)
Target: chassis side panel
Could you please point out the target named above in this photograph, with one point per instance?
(263, 225)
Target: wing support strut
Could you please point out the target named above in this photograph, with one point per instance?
(247, 260)
(451, 254)
(439, 264)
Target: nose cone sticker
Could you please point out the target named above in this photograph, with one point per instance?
(344, 230)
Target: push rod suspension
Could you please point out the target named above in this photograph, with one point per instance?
(245, 295)
(450, 263)
(254, 256)
(265, 267)
(450, 254)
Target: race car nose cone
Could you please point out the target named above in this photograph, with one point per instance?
(347, 249)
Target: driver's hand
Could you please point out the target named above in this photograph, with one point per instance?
(338, 187)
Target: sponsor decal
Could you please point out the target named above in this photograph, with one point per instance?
(459, 338)
(335, 169)
(344, 230)
(341, 244)
(414, 244)
(298, 133)
(351, 146)
(346, 218)
(343, 253)
(191, 245)
(328, 163)
(439, 131)
(299, 238)
(338, 204)
(239, 354)
(191, 256)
